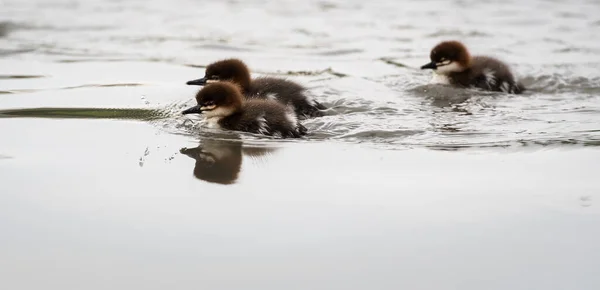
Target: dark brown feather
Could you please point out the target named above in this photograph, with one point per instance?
(287, 93)
(477, 76)
(284, 91)
(265, 117)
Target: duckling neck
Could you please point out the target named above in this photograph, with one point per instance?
(215, 117)
(245, 85)
(461, 78)
(230, 121)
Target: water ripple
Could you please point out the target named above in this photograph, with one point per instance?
(359, 59)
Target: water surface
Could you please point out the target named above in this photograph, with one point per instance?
(400, 185)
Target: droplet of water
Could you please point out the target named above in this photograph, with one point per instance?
(143, 98)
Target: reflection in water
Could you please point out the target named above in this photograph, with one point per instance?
(443, 96)
(586, 200)
(220, 161)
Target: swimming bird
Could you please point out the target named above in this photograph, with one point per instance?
(452, 64)
(281, 90)
(223, 106)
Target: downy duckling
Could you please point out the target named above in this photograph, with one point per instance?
(452, 64)
(284, 91)
(223, 106)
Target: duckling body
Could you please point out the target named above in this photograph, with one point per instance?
(264, 117)
(284, 91)
(224, 107)
(452, 64)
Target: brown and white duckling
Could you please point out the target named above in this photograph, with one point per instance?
(223, 106)
(284, 91)
(452, 64)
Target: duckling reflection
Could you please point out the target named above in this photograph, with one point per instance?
(220, 161)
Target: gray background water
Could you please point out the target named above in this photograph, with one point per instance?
(401, 185)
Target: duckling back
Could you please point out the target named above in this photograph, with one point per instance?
(266, 117)
(491, 74)
(288, 93)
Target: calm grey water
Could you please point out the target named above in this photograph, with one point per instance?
(401, 185)
(359, 59)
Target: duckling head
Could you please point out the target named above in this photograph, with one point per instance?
(233, 70)
(219, 99)
(449, 57)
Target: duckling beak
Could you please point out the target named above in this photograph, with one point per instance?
(198, 82)
(193, 110)
(431, 65)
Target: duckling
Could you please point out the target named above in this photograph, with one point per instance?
(452, 64)
(284, 91)
(223, 106)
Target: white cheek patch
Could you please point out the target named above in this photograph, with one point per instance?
(218, 113)
(204, 108)
(212, 81)
(449, 68)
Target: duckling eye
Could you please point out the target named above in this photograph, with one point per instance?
(214, 77)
